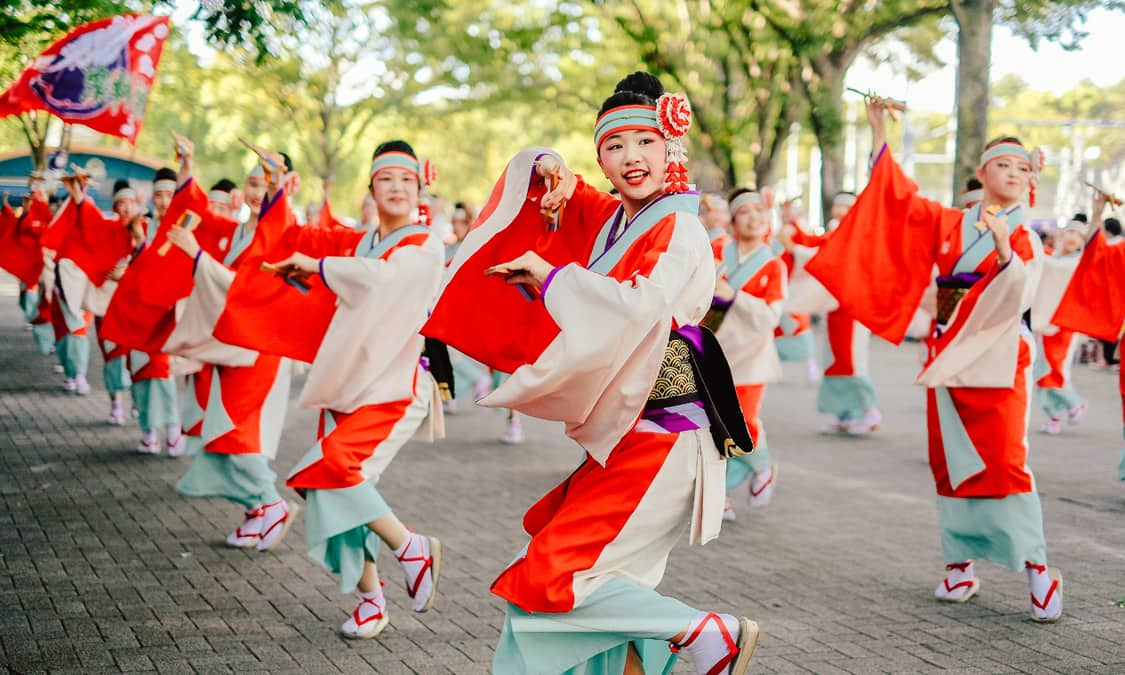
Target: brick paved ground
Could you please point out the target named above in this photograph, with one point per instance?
(104, 567)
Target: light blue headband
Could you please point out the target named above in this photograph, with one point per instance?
(625, 118)
(744, 199)
(396, 160)
(1009, 149)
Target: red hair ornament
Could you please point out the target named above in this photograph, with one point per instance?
(429, 175)
(673, 114)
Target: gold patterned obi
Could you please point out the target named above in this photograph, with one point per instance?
(676, 379)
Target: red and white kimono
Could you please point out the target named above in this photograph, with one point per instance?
(978, 374)
(747, 337)
(249, 392)
(846, 390)
(22, 255)
(152, 297)
(89, 245)
(587, 353)
(363, 313)
(1095, 307)
(793, 336)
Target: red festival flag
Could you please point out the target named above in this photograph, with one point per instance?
(99, 75)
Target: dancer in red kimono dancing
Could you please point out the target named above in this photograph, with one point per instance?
(223, 203)
(362, 289)
(153, 386)
(249, 391)
(978, 375)
(21, 254)
(748, 296)
(608, 297)
(89, 246)
(1093, 304)
(846, 391)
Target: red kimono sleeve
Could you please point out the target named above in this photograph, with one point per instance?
(802, 238)
(20, 253)
(269, 314)
(141, 314)
(95, 243)
(484, 317)
(1094, 302)
(879, 261)
(58, 228)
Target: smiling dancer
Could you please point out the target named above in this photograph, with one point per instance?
(978, 372)
(748, 297)
(612, 348)
(376, 289)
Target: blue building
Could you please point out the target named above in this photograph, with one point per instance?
(104, 164)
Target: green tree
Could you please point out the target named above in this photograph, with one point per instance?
(743, 89)
(1035, 20)
(826, 38)
(27, 27)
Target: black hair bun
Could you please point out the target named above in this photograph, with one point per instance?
(641, 83)
(165, 174)
(637, 89)
(394, 146)
(121, 184)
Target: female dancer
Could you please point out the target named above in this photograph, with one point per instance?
(371, 400)
(248, 391)
(1092, 306)
(611, 346)
(89, 246)
(978, 373)
(749, 293)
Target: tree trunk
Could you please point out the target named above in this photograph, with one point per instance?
(974, 57)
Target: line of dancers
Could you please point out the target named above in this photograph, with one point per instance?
(648, 321)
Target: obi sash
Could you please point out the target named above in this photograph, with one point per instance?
(694, 370)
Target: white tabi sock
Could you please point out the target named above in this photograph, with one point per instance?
(959, 584)
(1046, 592)
(176, 441)
(711, 639)
(414, 556)
(368, 616)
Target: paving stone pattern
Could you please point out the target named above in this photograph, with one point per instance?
(104, 567)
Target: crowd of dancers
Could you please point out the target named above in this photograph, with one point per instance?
(649, 321)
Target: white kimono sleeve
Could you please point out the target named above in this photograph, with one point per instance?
(1057, 273)
(596, 375)
(371, 349)
(806, 294)
(747, 339)
(192, 337)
